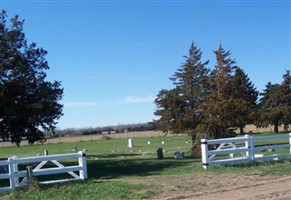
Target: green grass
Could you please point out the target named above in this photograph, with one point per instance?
(112, 147)
(110, 164)
(83, 190)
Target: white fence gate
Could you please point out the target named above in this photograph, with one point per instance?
(244, 149)
(14, 175)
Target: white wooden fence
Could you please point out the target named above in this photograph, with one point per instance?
(14, 175)
(244, 149)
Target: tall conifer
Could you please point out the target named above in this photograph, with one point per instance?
(271, 106)
(286, 89)
(220, 104)
(191, 82)
(245, 95)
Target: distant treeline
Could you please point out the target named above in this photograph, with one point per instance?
(102, 130)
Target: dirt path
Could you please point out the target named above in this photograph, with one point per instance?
(266, 189)
(279, 188)
(216, 186)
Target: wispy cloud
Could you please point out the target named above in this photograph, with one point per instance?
(128, 100)
(134, 99)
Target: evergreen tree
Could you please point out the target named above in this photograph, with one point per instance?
(169, 109)
(286, 90)
(220, 104)
(28, 103)
(180, 109)
(203, 105)
(192, 82)
(275, 104)
(271, 106)
(245, 96)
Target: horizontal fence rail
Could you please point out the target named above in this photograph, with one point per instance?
(19, 178)
(244, 149)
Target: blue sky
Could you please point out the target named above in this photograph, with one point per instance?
(113, 57)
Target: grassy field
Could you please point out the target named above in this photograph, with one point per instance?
(112, 167)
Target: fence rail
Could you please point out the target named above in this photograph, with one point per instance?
(243, 149)
(19, 178)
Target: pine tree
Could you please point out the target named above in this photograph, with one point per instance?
(220, 104)
(271, 106)
(275, 104)
(191, 82)
(245, 95)
(286, 90)
(170, 112)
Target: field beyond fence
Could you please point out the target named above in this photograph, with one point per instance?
(83, 138)
(117, 172)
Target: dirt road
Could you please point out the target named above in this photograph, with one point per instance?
(278, 188)
(224, 187)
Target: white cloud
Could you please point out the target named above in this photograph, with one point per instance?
(129, 99)
(134, 99)
(80, 104)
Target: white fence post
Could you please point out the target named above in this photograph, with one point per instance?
(252, 148)
(11, 173)
(15, 169)
(204, 153)
(250, 145)
(83, 164)
(247, 144)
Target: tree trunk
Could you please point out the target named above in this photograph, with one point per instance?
(241, 130)
(276, 127)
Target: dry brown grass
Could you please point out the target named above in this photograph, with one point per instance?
(99, 136)
(254, 129)
(92, 137)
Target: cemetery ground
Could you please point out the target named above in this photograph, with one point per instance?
(118, 172)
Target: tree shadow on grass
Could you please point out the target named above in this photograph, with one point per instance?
(113, 155)
(111, 166)
(115, 168)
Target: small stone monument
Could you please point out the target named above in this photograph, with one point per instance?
(160, 153)
(179, 155)
(130, 145)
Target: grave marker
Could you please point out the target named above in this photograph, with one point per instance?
(130, 145)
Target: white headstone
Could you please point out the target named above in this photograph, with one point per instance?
(130, 145)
